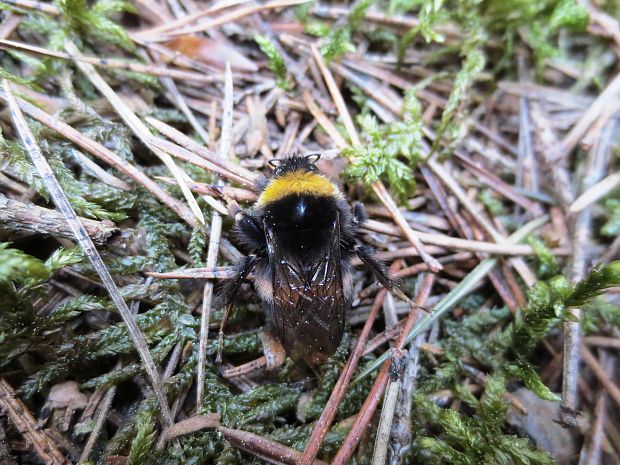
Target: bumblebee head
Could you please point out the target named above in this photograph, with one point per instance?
(297, 175)
(295, 162)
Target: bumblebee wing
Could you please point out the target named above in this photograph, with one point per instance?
(308, 298)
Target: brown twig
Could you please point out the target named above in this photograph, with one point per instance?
(18, 216)
(214, 241)
(81, 235)
(264, 448)
(107, 156)
(24, 422)
(329, 411)
(372, 400)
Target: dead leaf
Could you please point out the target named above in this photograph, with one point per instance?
(213, 52)
(67, 394)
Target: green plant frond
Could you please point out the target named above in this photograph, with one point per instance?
(94, 20)
(17, 266)
(143, 445)
(611, 228)
(276, 62)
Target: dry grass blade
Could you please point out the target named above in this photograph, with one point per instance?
(596, 192)
(137, 126)
(214, 239)
(109, 62)
(87, 245)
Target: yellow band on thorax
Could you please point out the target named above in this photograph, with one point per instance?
(298, 182)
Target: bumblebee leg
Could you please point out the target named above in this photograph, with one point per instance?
(368, 256)
(359, 213)
(228, 294)
(248, 230)
(273, 350)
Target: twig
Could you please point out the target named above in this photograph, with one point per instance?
(587, 119)
(389, 405)
(374, 396)
(590, 360)
(102, 416)
(35, 5)
(61, 201)
(591, 449)
(581, 237)
(107, 156)
(227, 169)
(227, 18)
(113, 63)
(596, 192)
(23, 420)
(455, 243)
(329, 411)
(216, 231)
(137, 126)
(17, 216)
(264, 448)
(170, 25)
(227, 192)
(191, 425)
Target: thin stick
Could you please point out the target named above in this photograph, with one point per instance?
(455, 243)
(590, 360)
(377, 187)
(137, 126)
(17, 216)
(85, 242)
(17, 412)
(227, 18)
(597, 160)
(214, 239)
(587, 119)
(107, 156)
(596, 192)
(266, 449)
(389, 406)
(374, 396)
(102, 416)
(329, 411)
(228, 169)
(113, 63)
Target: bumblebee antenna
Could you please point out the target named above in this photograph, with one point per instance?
(275, 162)
(313, 157)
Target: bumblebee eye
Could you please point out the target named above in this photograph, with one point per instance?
(313, 158)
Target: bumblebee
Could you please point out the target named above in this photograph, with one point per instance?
(300, 237)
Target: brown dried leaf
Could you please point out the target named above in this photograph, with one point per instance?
(213, 52)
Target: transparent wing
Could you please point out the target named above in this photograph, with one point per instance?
(308, 298)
